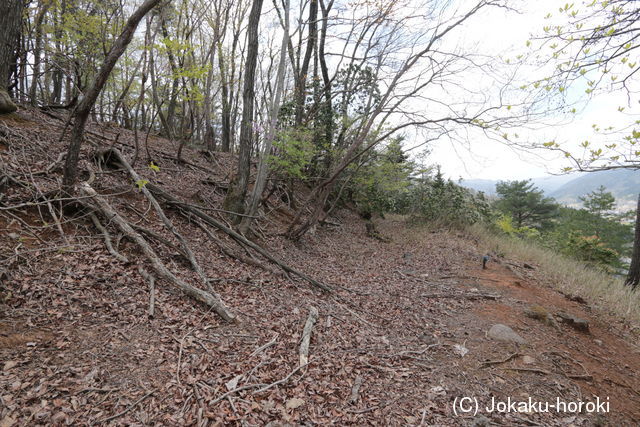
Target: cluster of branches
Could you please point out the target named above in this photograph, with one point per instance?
(315, 91)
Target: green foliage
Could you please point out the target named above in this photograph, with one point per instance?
(599, 202)
(504, 223)
(294, 151)
(437, 199)
(360, 91)
(141, 183)
(610, 231)
(526, 204)
(380, 183)
(583, 235)
(591, 250)
(592, 46)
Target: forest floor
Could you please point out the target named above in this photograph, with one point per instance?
(400, 341)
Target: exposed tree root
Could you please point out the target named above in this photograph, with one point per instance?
(231, 254)
(107, 239)
(113, 154)
(168, 198)
(211, 299)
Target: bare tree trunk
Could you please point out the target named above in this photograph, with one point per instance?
(84, 108)
(10, 19)
(37, 51)
(301, 82)
(263, 167)
(633, 277)
(234, 201)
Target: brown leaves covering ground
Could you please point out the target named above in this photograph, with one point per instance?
(78, 348)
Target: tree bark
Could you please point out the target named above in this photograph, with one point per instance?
(235, 199)
(10, 20)
(301, 83)
(633, 277)
(263, 166)
(37, 51)
(84, 108)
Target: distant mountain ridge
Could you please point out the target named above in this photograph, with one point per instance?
(624, 184)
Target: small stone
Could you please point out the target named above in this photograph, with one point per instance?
(481, 421)
(502, 332)
(528, 360)
(599, 342)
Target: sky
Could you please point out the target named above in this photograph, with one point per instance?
(504, 34)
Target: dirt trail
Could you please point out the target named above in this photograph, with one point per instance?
(601, 363)
(608, 365)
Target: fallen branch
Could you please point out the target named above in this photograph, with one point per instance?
(130, 407)
(152, 289)
(157, 237)
(265, 346)
(497, 362)
(210, 299)
(263, 387)
(306, 335)
(463, 296)
(355, 390)
(228, 252)
(534, 370)
(234, 235)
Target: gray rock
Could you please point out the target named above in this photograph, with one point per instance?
(481, 421)
(575, 322)
(502, 332)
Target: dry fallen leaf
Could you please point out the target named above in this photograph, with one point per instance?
(294, 403)
(232, 384)
(7, 421)
(9, 364)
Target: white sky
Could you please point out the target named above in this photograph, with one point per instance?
(502, 33)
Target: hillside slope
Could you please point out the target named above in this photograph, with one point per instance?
(401, 338)
(623, 184)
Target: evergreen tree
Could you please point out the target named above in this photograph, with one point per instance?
(526, 204)
(599, 202)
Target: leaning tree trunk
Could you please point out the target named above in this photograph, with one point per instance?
(84, 108)
(633, 277)
(234, 201)
(10, 19)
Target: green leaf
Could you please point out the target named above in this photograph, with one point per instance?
(154, 167)
(141, 183)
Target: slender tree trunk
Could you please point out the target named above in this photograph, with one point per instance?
(173, 97)
(10, 24)
(84, 108)
(633, 277)
(37, 51)
(234, 201)
(56, 96)
(263, 166)
(226, 103)
(301, 83)
(326, 111)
